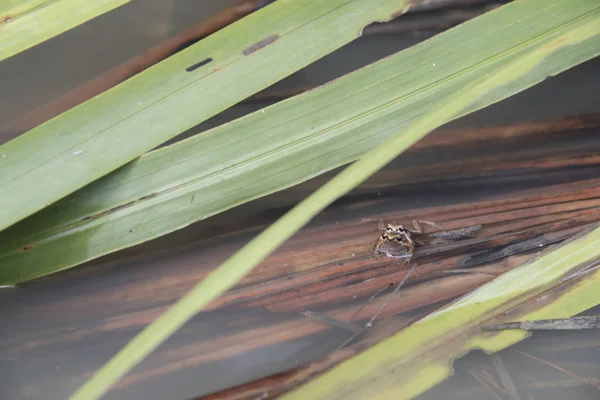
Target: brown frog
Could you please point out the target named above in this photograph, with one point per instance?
(398, 242)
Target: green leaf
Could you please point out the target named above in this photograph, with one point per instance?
(421, 355)
(25, 23)
(94, 138)
(242, 262)
(289, 142)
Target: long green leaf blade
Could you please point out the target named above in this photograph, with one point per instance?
(23, 24)
(290, 142)
(96, 137)
(242, 262)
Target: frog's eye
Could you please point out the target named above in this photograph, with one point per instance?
(389, 227)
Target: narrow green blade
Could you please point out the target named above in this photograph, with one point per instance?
(94, 138)
(288, 143)
(25, 23)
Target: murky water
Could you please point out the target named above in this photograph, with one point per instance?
(54, 371)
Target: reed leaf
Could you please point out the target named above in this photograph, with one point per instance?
(291, 141)
(24, 24)
(111, 129)
(242, 262)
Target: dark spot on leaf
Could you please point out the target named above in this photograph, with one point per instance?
(27, 247)
(100, 214)
(199, 64)
(148, 196)
(259, 45)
